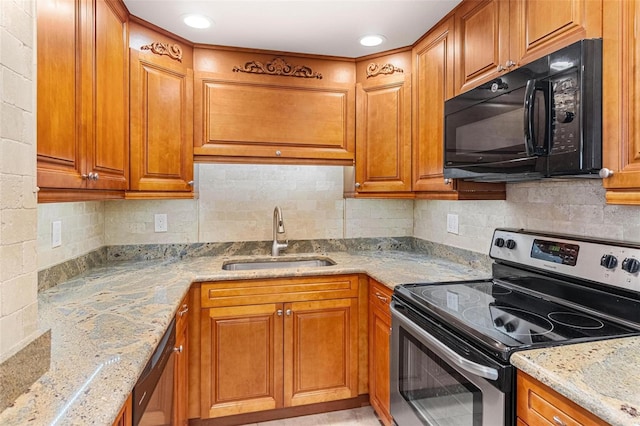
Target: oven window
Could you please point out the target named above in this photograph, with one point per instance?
(438, 394)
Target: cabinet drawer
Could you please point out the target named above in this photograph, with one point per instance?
(251, 292)
(380, 296)
(539, 404)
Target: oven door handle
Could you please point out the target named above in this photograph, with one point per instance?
(450, 355)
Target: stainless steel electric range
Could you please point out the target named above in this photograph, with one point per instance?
(451, 341)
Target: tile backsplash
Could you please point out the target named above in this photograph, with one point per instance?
(236, 203)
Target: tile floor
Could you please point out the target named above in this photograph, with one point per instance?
(363, 416)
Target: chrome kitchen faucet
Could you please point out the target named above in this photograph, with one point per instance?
(278, 228)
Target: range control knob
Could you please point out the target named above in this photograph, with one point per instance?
(511, 244)
(499, 242)
(510, 327)
(631, 265)
(609, 261)
(498, 322)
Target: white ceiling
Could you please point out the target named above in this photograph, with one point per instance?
(305, 26)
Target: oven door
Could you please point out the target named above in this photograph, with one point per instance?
(432, 384)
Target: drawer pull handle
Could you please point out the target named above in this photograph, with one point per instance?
(381, 297)
(557, 420)
(184, 310)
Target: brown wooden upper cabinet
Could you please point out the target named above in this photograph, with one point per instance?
(383, 126)
(496, 36)
(265, 108)
(161, 146)
(83, 99)
(621, 101)
(433, 74)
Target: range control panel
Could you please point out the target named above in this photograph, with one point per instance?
(614, 263)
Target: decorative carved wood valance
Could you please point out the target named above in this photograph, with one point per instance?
(278, 66)
(374, 69)
(172, 50)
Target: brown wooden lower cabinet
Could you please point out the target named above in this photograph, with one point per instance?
(379, 335)
(538, 404)
(125, 416)
(265, 356)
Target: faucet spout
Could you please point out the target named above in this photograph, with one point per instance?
(278, 228)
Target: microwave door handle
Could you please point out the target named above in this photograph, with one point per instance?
(529, 104)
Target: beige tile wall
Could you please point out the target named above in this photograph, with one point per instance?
(83, 230)
(18, 208)
(237, 201)
(576, 207)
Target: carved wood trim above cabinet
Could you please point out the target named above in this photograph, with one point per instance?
(374, 69)
(278, 66)
(174, 51)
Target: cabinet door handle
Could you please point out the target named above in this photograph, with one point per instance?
(557, 420)
(288, 312)
(179, 349)
(500, 68)
(190, 183)
(184, 310)
(605, 173)
(381, 297)
(279, 312)
(510, 64)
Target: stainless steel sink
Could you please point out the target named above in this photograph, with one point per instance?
(276, 263)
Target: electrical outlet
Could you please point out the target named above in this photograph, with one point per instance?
(56, 233)
(160, 222)
(452, 223)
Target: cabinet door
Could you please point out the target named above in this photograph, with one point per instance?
(261, 108)
(241, 365)
(108, 145)
(379, 347)
(60, 152)
(383, 135)
(321, 351)
(621, 101)
(161, 124)
(542, 27)
(181, 380)
(433, 84)
(482, 33)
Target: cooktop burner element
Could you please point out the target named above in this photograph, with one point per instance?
(576, 320)
(545, 290)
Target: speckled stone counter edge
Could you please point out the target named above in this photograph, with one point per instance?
(15, 379)
(65, 271)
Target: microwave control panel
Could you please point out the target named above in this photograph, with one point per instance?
(566, 117)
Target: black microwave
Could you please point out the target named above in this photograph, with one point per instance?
(541, 120)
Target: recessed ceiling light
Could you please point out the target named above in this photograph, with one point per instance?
(197, 21)
(372, 40)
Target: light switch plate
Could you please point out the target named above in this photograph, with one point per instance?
(452, 223)
(160, 222)
(56, 233)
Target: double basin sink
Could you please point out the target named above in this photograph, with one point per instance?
(277, 263)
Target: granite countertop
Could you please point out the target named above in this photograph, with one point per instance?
(106, 323)
(603, 377)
